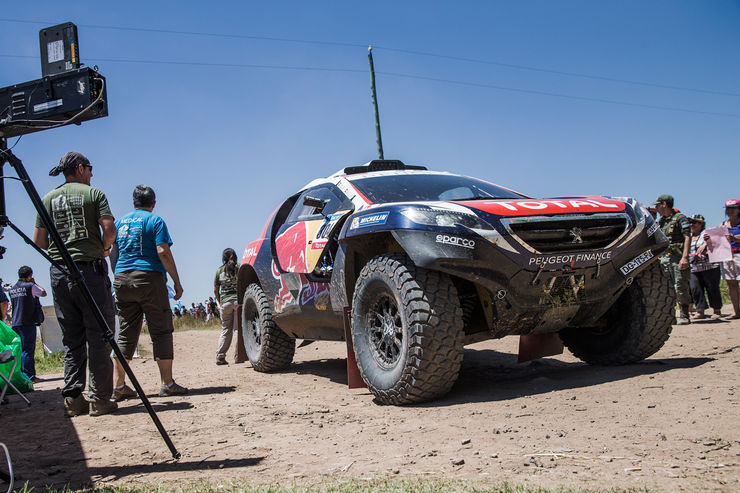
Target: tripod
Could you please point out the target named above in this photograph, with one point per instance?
(70, 270)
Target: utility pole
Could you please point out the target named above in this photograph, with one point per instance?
(375, 102)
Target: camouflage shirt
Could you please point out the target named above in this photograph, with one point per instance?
(676, 227)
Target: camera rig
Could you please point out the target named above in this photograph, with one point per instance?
(66, 94)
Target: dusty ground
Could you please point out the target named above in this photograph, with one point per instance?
(670, 423)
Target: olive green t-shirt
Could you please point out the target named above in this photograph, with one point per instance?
(75, 209)
(226, 285)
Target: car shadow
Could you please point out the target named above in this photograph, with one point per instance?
(333, 369)
(488, 376)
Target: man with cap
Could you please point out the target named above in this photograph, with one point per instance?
(84, 220)
(675, 260)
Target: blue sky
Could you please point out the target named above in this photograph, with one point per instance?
(224, 145)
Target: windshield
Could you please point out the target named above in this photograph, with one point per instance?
(414, 187)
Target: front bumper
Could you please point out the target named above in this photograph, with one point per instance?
(527, 293)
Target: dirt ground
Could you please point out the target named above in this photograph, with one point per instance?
(671, 423)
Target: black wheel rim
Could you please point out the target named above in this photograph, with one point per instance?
(385, 330)
(253, 329)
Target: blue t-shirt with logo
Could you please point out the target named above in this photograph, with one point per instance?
(137, 236)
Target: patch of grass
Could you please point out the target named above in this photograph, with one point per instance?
(725, 293)
(187, 322)
(48, 363)
(336, 485)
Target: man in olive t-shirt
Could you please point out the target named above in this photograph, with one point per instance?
(79, 212)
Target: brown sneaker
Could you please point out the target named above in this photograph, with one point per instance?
(123, 393)
(75, 406)
(98, 408)
(174, 389)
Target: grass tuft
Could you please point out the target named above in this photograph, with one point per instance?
(336, 485)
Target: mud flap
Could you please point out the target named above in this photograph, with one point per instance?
(536, 346)
(241, 351)
(354, 379)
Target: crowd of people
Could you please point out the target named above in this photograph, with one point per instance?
(138, 247)
(686, 261)
(205, 310)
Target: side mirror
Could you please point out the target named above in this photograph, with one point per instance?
(317, 204)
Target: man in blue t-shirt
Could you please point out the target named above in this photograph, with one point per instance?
(142, 259)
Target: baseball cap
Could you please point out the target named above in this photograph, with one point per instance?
(697, 218)
(69, 161)
(732, 203)
(664, 198)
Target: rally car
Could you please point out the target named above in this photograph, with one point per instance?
(415, 264)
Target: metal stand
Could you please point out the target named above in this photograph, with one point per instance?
(71, 271)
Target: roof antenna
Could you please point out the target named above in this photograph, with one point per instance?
(375, 102)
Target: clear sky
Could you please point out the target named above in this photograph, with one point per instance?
(226, 108)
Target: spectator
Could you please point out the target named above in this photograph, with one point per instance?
(731, 268)
(704, 275)
(4, 303)
(176, 311)
(224, 289)
(202, 311)
(80, 212)
(213, 306)
(142, 258)
(27, 315)
(675, 260)
(193, 310)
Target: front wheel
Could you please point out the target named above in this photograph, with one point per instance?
(634, 328)
(268, 347)
(407, 330)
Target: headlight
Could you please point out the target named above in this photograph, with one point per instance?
(641, 214)
(445, 218)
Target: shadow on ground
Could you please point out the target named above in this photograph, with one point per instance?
(489, 375)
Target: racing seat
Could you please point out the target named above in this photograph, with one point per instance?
(7, 357)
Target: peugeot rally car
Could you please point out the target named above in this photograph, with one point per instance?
(423, 263)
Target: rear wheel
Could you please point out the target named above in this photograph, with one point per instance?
(407, 330)
(268, 347)
(636, 326)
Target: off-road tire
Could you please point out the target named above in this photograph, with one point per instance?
(637, 325)
(427, 326)
(268, 347)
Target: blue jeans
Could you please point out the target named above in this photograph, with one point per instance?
(28, 348)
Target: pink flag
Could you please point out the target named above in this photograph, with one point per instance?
(718, 246)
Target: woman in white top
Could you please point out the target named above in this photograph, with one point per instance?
(704, 275)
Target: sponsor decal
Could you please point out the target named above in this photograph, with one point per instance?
(636, 262)
(319, 244)
(284, 297)
(456, 240)
(652, 229)
(547, 206)
(291, 248)
(250, 253)
(369, 220)
(571, 258)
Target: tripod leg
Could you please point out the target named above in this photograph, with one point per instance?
(75, 276)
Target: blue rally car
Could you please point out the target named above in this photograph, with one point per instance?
(426, 262)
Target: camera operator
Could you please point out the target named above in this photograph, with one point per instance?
(79, 212)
